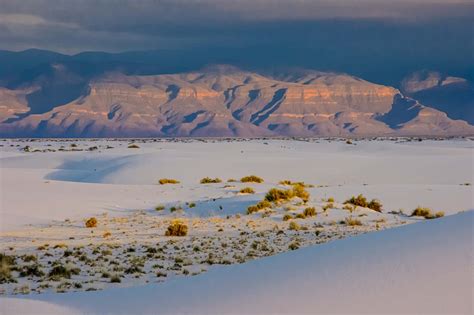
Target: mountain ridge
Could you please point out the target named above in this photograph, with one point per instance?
(219, 100)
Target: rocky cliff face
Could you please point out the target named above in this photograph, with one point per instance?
(227, 102)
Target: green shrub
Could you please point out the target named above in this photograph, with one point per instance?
(310, 211)
(247, 190)
(160, 208)
(251, 179)
(330, 199)
(164, 181)
(192, 205)
(208, 180)
(31, 271)
(59, 271)
(177, 228)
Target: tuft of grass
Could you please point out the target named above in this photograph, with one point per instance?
(133, 146)
(352, 222)
(259, 206)
(115, 279)
(177, 228)
(7, 263)
(91, 223)
(294, 226)
(294, 246)
(309, 212)
(59, 271)
(231, 180)
(160, 208)
(247, 190)
(164, 181)
(192, 205)
(251, 179)
(300, 216)
(330, 199)
(208, 180)
(426, 213)
(287, 217)
(361, 201)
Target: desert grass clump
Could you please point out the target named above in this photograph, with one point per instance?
(426, 213)
(133, 146)
(287, 217)
(309, 211)
(164, 181)
(361, 201)
(300, 192)
(6, 265)
(247, 190)
(160, 208)
(259, 206)
(115, 279)
(59, 271)
(208, 180)
(91, 223)
(300, 216)
(294, 226)
(352, 222)
(294, 246)
(251, 179)
(277, 195)
(177, 228)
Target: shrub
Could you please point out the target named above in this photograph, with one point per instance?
(330, 199)
(294, 246)
(352, 222)
(91, 223)
(259, 206)
(310, 211)
(276, 195)
(287, 217)
(6, 264)
(422, 212)
(177, 228)
(294, 226)
(231, 180)
(300, 192)
(31, 270)
(164, 181)
(133, 146)
(192, 205)
(426, 213)
(251, 179)
(115, 279)
(375, 205)
(247, 190)
(285, 182)
(208, 180)
(59, 271)
(300, 216)
(360, 201)
(160, 208)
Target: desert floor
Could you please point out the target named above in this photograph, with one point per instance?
(275, 258)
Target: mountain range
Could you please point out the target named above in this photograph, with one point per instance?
(58, 98)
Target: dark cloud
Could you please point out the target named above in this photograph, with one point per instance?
(362, 37)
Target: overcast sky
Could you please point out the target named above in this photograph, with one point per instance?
(72, 26)
(370, 38)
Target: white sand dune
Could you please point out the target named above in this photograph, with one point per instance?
(39, 187)
(422, 268)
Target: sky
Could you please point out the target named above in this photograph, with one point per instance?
(314, 33)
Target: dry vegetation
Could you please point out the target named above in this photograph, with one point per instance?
(251, 179)
(164, 181)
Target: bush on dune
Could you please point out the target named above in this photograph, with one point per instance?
(208, 180)
(426, 213)
(361, 201)
(247, 190)
(91, 223)
(164, 181)
(177, 228)
(6, 265)
(251, 179)
(259, 206)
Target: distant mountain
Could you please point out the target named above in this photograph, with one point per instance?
(452, 95)
(61, 101)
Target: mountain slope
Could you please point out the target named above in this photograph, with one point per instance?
(220, 101)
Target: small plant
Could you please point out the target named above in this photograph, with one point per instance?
(251, 179)
(352, 222)
(247, 190)
(59, 271)
(300, 192)
(164, 181)
(426, 213)
(173, 209)
(294, 226)
(259, 206)
(375, 205)
(276, 195)
(287, 217)
(300, 216)
(160, 208)
(309, 212)
(361, 201)
(330, 199)
(6, 265)
(177, 228)
(192, 205)
(208, 180)
(231, 180)
(133, 146)
(91, 223)
(294, 246)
